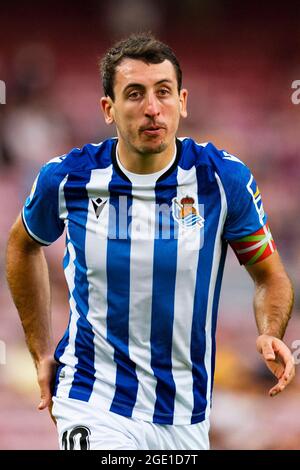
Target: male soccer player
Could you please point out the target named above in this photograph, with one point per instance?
(147, 218)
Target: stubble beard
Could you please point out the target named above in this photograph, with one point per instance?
(148, 149)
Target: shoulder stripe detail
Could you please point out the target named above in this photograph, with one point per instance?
(255, 193)
(62, 208)
(233, 158)
(202, 144)
(57, 159)
(223, 197)
(97, 145)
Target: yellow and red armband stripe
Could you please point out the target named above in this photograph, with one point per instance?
(255, 247)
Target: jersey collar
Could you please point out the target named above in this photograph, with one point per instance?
(127, 177)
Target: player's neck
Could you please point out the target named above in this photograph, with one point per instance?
(147, 163)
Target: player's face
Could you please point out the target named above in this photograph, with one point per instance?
(147, 105)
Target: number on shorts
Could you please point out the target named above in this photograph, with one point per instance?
(70, 438)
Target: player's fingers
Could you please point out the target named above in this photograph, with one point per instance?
(45, 391)
(45, 399)
(275, 390)
(284, 380)
(283, 352)
(289, 372)
(267, 351)
(45, 371)
(279, 387)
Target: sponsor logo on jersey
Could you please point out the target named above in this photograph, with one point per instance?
(98, 205)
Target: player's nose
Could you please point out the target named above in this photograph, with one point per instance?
(152, 107)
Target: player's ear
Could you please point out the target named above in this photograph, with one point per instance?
(183, 102)
(107, 108)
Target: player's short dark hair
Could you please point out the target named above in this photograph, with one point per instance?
(142, 46)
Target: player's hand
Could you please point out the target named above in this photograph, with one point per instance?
(278, 359)
(46, 369)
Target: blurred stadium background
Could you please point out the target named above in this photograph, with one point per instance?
(239, 61)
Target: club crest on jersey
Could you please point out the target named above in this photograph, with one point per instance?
(186, 212)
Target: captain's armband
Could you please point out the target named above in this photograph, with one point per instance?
(255, 247)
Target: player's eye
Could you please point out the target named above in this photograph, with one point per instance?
(163, 92)
(134, 95)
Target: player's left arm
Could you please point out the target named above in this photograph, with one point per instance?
(247, 231)
(273, 302)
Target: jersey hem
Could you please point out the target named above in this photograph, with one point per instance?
(106, 405)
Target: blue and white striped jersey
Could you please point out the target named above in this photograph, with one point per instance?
(143, 262)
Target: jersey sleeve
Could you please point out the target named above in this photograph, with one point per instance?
(245, 211)
(40, 213)
(246, 228)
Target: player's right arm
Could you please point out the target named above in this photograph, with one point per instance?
(28, 280)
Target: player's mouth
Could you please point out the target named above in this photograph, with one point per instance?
(152, 131)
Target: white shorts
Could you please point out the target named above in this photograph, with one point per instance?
(82, 426)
